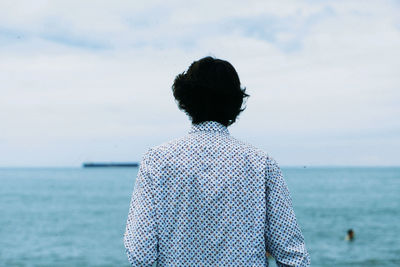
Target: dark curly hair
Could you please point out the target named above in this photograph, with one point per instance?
(210, 91)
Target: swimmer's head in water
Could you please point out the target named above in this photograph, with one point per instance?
(350, 234)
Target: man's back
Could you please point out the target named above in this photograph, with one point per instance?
(208, 199)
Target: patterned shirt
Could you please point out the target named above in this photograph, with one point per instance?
(208, 199)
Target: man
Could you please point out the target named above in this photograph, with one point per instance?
(208, 199)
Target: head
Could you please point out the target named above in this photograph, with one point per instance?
(350, 233)
(210, 91)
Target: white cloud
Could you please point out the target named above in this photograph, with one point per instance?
(320, 74)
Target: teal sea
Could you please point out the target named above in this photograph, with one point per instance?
(76, 217)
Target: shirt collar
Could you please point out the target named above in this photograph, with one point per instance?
(209, 126)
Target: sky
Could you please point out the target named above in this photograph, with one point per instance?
(91, 80)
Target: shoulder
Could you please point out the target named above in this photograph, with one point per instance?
(169, 149)
(167, 146)
(164, 151)
(249, 149)
(268, 160)
(259, 155)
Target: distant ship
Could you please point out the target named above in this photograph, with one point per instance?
(109, 164)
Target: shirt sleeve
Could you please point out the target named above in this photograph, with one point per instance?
(284, 240)
(140, 238)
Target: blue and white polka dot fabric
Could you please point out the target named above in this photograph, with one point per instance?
(208, 199)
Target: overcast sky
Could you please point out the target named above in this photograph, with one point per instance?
(91, 80)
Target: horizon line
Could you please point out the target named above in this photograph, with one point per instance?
(281, 166)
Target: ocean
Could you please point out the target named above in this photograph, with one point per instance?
(76, 217)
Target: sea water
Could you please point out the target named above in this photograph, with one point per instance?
(76, 217)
